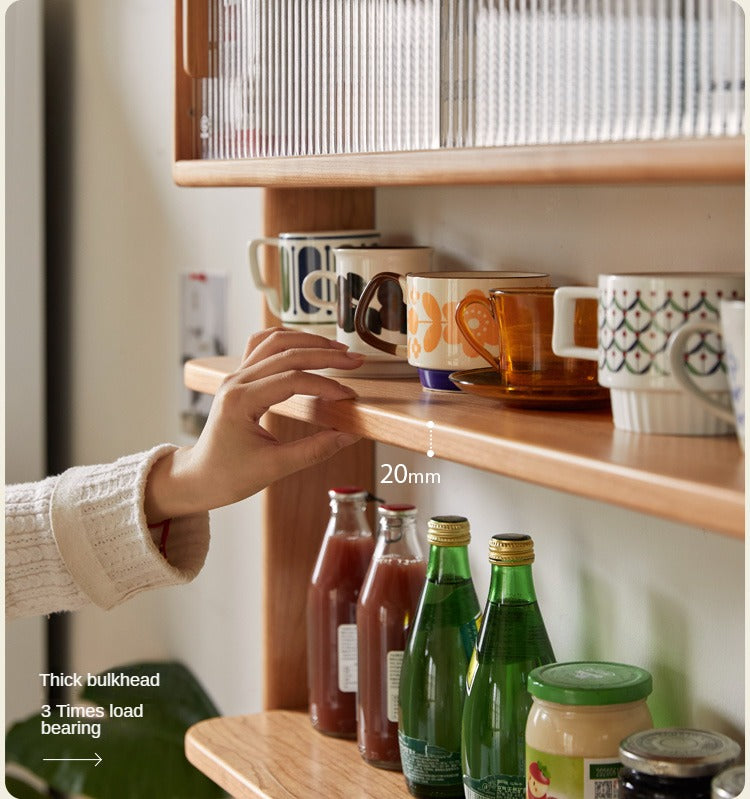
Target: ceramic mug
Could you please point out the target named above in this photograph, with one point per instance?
(525, 360)
(685, 353)
(434, 343)
(638, 312)
(300, 254)
(341, 291)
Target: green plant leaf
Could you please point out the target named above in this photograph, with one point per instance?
(22, 790)
(140, 757)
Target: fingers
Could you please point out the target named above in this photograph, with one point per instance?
(256, 339)
(295, 455)
(300, 359)
(252, 399)
(276, 340)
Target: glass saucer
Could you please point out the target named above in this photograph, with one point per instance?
(490, 383)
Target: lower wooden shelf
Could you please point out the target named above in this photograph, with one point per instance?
(698, 480)
(278, 755)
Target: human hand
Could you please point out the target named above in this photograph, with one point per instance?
(235, 456)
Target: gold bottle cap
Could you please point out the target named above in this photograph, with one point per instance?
(448, 531)
(511, 549)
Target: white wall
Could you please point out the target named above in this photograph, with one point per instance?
(612, 583)
(134, 232)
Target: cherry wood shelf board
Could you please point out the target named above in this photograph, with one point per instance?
(692, 480)
(278, 755)
(679, 160)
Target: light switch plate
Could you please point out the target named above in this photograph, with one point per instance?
(203, 333)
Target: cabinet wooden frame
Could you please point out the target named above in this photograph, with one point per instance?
(714, 159)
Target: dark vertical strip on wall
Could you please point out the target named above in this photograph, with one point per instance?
(59, 50)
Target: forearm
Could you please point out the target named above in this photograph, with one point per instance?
(82, 538)
(172, 489)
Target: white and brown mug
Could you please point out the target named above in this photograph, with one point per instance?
(341, 292)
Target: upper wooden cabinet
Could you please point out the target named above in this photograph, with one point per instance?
(290, 94)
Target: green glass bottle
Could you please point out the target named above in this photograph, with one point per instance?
(432, 688)
(512, 641)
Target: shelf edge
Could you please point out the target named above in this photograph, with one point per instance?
(660, 495)
(709, 160)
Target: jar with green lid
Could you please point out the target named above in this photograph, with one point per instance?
(673, 763)
(580, 713)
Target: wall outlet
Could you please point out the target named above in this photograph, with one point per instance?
(203, 333)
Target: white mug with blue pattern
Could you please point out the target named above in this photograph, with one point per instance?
(299, 255)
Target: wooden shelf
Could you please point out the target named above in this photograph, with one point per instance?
(683, 160)
(278, 755)
(692, 480)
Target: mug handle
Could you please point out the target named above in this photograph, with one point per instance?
(462, 307)
(677, 363)
(308, 292)
(563, 322)
(272, 295)
(360, 315)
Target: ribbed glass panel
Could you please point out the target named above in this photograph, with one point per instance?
(304, 77)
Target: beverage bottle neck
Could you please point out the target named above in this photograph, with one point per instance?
(448, 564)
(511, 585)
(348, 518)
(397, 536)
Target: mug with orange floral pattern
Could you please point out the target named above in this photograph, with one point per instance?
(434, 343)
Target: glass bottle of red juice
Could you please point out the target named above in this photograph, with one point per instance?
(385, 611)
(332, 596)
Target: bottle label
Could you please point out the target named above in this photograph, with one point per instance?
(347, 657)
(496, 786)
(393, 661)
(558, 775)
(468, 633)
(425, 764)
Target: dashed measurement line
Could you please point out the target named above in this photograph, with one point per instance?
(430, 450)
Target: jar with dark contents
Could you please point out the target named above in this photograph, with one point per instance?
(673, 763)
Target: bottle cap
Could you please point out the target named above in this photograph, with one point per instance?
(677, 752)
(589, 683)
(448, 531)
(397, 510)
(347, 492)
(511, 549)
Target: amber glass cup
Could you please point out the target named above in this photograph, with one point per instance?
(526, 363)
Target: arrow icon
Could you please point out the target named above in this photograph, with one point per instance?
(97, 759)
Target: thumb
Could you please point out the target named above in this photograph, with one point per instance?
(295, 455)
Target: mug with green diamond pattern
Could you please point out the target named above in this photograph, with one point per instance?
(637, 314)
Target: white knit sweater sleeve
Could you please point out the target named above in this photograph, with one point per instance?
(82, 537)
